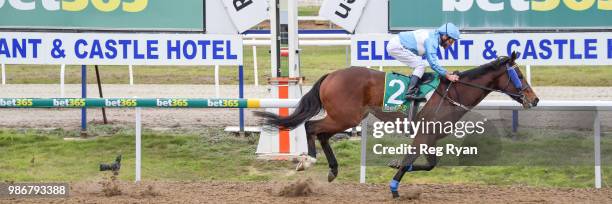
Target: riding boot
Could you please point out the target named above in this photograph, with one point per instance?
(413, 89)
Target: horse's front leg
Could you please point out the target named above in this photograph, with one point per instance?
(406, 166)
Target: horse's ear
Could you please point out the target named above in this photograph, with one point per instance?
(513, 56)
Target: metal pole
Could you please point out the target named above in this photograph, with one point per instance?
(138, 127)
(217, 87)
(83, 95)
(62, 81)
(3, 74)
(241, 95)
(528, 69)
(347, 56)
(293, 39)
(100, 91)
(275, 39)
(364, 137)
(515, 122)
(255, 65)
(380, 68)
(131, 70)
(597, 147)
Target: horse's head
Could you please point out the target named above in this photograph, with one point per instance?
(512, 82)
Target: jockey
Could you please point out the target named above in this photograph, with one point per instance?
(409, 47)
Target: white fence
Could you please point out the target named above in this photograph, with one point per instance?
(595, 106)
(485, 105)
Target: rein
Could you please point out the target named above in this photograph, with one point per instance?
(512, 79)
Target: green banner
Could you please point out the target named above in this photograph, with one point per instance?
(501, 14)
(126, 103)
(158, 15)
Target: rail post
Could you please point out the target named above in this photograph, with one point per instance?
(138, 142)
(241, 96)
(597, 148)
(364, 142)
(83, 95)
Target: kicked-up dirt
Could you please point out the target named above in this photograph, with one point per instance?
(309, 191)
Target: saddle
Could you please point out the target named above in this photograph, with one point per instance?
(427, 77)
(395, 88)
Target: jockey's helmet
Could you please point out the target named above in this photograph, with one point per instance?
(451, 30)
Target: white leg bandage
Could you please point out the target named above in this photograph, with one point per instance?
(395, 49)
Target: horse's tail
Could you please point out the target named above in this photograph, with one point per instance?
(309, 106)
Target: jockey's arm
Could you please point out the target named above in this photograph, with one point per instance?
(431, 54)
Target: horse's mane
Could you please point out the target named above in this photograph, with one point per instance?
(485, 68)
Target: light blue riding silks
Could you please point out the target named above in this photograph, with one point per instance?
(424, 43)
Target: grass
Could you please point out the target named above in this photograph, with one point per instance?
(315, 61)
(308, 11)
(211, 154)
(33, 155)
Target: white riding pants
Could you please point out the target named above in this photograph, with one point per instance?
(395, 49)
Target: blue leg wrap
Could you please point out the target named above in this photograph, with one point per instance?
(394, 185)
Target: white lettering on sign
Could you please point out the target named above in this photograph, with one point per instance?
(215, 103)
(344, 13)
(112, 103)
(164, 103)
(525, 5)
(8, 103)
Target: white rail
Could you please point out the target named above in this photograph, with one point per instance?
(301, 36)
(552, 105)
(302, 42)
(311, 18)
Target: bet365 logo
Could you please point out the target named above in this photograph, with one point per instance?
(78, 5)
(525, 5)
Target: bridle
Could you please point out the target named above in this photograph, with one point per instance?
(512, 78)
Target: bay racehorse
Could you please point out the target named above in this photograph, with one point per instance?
(349, 95)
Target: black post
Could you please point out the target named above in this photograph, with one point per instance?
(100, 91)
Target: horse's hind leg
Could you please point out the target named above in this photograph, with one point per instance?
(307, 161)
(325, 129)
(331, 158)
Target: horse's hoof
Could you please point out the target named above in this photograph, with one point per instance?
(395, 194)
(331, 176)
(305, 163)
(300, 166)
(394, 164)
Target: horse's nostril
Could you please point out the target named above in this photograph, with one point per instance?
(535, 102)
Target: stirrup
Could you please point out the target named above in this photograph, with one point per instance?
(415, 97)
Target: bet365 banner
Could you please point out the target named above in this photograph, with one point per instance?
(500, 14)
(119, 49)
(594, 48)
(183, 15)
